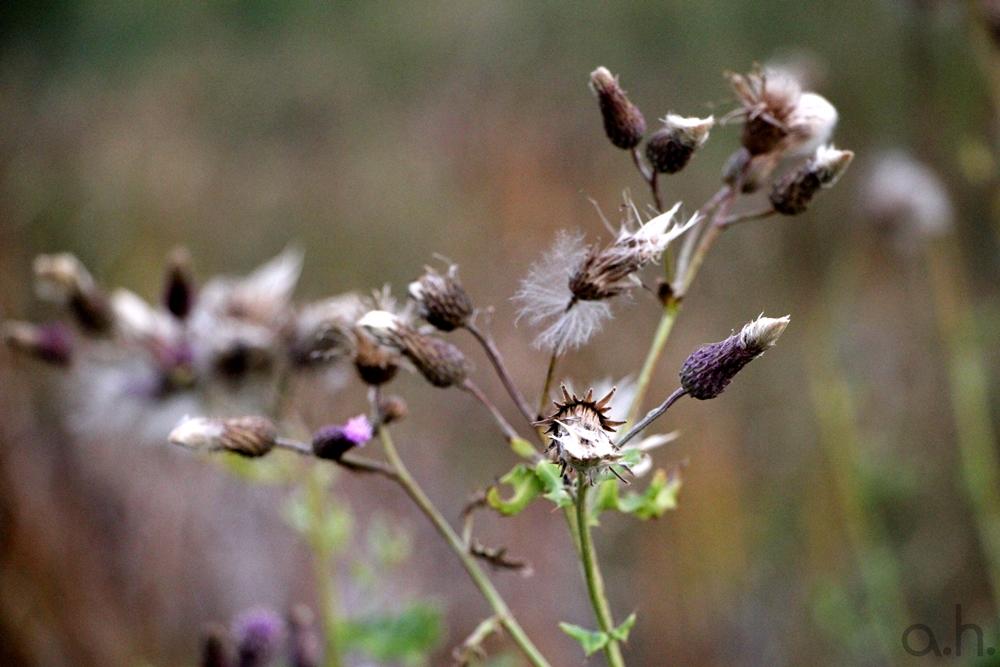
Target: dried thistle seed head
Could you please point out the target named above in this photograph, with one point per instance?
(332, 442)
(623, 122)
(581, 433)
(65, 280)
(393, 409)
(178, 291)
(779, 117)
(670, 148)
(608, 272)
(792, 194)
(441, 300)
(376, 363)
(708, 371)
(52, 343)
(259, 634)
(248, 436)
(263, 297)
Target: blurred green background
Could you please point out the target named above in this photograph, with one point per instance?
(840, 491)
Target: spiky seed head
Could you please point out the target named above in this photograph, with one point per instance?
(51, 343)
(178, 290)
(792, 194)
(332, 442)
(247, 436)
(670, 148)
(581, 433)
(623, 122)
(441, 300)
(707, 372)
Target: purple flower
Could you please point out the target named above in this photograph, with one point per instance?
(258, 633)
(332, 442)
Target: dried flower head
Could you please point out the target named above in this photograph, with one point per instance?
(441, 363)
(707, 372)
(623, 122)
(581, 433)
(392, 409)
(779, 117)
(332, 442)
(792, 194)
(259, 635)
(569, 286)
(263, 297)
(65, 280)
(51, 343)
(441, 300)
(670, 148)
(248, 436)
(323, 331)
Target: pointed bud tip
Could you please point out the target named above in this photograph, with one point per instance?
(763, 332)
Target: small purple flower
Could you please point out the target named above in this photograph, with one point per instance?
(332, 442)
(258, 633)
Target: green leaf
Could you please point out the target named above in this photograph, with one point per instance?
(523, 448)
(552, 482)
(592, 641)
(526, 487)
(621, 632)
(660, 496)
(407, 636)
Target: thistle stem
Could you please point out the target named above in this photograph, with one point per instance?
(592, 573)
(652, 416)
(744, 217)
(493, 354)
(479, 578)
(504, 425)
(650, 176)
(670, 310)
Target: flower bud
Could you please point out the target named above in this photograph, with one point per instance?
(792, 194)
(708, 371)
(178, 292)
(332, 442)
(64, 279)
(51, 343)
(247, 436)
(258, 634)
(441, 363)
(393, 409)
(441, 300)
(670, 148)
(623, 122)
(376, 363)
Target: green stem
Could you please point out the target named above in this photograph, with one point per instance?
(325, 575)
(478, 577)
(670, 310)
(592, 572)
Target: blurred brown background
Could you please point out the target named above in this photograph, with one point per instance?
(824, 507)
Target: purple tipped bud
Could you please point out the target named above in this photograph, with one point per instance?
(178, 293)
(247, 436)
(671, 147)
(441, 300)
(708, 371)
(332, 442)
(51, 343)
(792, 194)
(258, 633)
(623, 122)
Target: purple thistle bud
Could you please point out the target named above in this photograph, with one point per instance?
(258, 634)
(332, 442)
(623, 122)
(707, 372)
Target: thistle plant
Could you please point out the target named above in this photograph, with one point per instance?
(579, 449)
